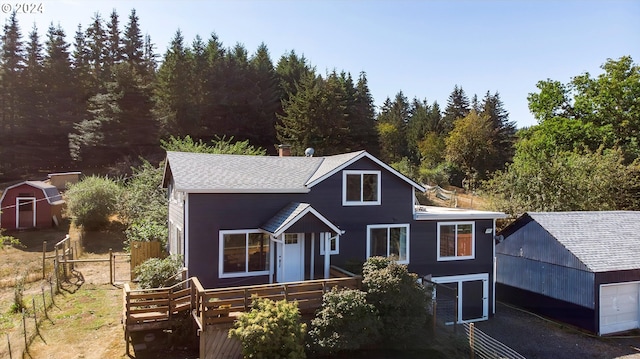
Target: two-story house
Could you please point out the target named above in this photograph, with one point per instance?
(245, 220)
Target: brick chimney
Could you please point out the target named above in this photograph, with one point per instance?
(284, 150)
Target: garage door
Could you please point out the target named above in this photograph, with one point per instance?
(619, 308)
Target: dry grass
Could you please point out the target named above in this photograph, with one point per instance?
(84, 322)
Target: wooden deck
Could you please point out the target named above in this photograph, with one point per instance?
(149, 309)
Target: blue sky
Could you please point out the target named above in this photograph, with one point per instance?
(422, 48)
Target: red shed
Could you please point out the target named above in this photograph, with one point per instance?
(30, 204)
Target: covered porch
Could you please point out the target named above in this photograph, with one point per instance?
(302, 242)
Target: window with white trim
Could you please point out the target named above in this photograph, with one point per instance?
(456, 241)
(388, 240)
(243, 253)
(334, 245)
(360, 188)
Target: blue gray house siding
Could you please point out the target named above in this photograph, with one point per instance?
(210, 213)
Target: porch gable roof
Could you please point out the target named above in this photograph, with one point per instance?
(292, 213)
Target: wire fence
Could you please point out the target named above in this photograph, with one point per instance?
(32, 312)
(31, 307)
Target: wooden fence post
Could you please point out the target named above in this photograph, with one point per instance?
(111, 264)
(44, 258)
(24, 330)
(35, 316)
(9, 346)
(44, 303)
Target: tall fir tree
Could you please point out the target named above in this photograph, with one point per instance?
(267, 102)
(133, 43)
(392, 128)
(113, 44)
(61, 106)
(362, 122)
(314, 117)
(457, 108)
(97, 53)
(172, 102)
(33, 111)
(12, 63)
(504, 131)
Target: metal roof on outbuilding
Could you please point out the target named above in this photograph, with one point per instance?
(602, 241)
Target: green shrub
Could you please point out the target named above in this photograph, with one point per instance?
(18, 295)
(8, 240)
(346, 321)
(270, 330)
(92, 201)
(400, 300)
(146, 230)
(144, 198)
(157, 273)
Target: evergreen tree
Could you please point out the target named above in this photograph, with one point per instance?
(132, 43)
(60, 98)
(362, 120)
(33, 110)
(11, 66)
(114, 54)
(392, 128)
(171, 101)
(150, 60)
(97, 52)
(417, 128)
(504, 131)
(267, 101)
(457, 108)
(80, 60)
(314, 117)
(291, 69)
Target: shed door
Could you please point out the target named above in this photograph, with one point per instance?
(619, 307)
(26, 210)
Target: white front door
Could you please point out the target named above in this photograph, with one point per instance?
(291, 258)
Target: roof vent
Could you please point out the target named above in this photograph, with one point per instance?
(309, 152)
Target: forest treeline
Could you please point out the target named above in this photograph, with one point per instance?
(108, 97)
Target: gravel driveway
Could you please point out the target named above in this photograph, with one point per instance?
(536, 338)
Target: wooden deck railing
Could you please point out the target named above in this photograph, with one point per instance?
(147, 309)
(223, 305)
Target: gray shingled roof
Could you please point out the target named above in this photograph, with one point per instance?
(290, 214)
(200, 172)
(284, 217)
(604, 241)
(213, 173)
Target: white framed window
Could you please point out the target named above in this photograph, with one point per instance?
(243, 253)
(388, 240)
(456, 241)
(360, 188)
(334, 243)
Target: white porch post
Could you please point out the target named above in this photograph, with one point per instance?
(312, 262)
(326, 237)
